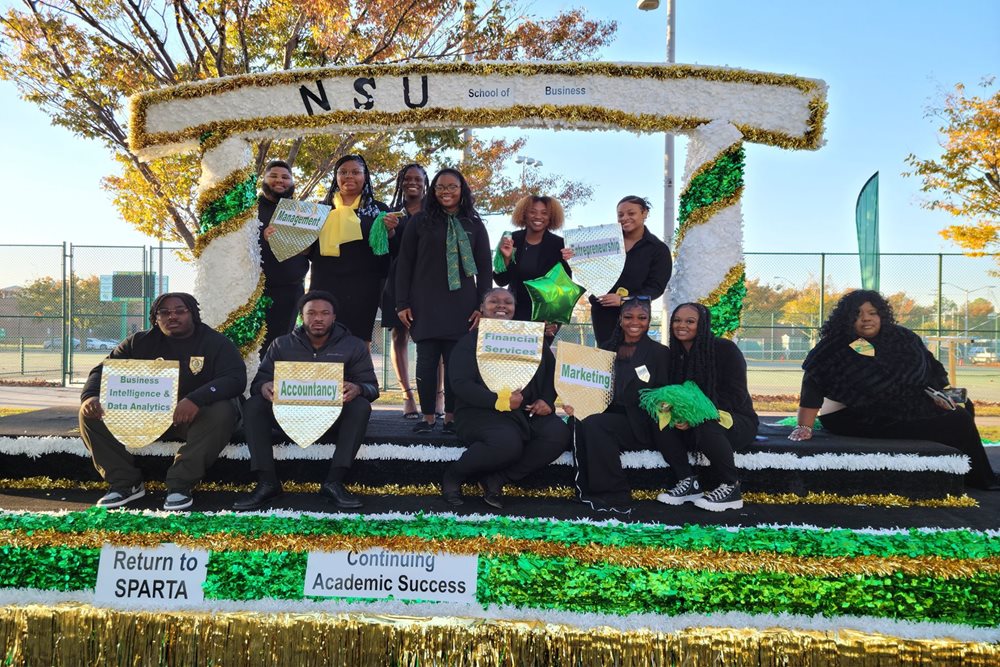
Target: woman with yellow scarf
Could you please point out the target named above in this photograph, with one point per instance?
(342, 261)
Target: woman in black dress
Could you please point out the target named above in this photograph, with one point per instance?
(442, 275)
(350, 270)
(717, 366)
(640, 363)
(412, 185)
(870, 376)
(647, 267)
(533, 250)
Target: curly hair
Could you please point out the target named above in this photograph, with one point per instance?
(188, 300)
(367, 204)
(466, 203)
(845, 313)
(698, 363)
(519, 218)
(398, 196)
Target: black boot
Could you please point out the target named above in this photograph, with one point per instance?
(262, 495)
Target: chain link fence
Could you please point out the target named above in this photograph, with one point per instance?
(63, 307)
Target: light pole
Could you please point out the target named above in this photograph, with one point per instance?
(967, 293)
(526, 162)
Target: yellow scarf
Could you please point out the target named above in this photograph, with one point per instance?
(342, 226)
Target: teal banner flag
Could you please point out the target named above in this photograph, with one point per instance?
(866, 217)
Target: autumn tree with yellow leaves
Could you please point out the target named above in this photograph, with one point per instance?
(965, 179)
(80, 60)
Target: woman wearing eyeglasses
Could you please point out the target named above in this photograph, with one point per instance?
(342, 261)
(640, 362)
(646, 272)
(532, 250)
(442, 274)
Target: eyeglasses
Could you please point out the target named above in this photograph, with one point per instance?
(167, 312)
(350, 172)
(450, 187)
(638, 297)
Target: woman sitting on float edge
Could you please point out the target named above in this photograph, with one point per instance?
(870, 376)
(717, 366)
(532, 250)
(504, 446)
(640, 363)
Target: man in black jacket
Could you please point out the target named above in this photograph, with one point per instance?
(212, 377)
(320, 338)
(283, 281)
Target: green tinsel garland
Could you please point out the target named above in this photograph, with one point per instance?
(835, 542)
(726, 312)
(687, 403)
(231, 204)
(244, 329)
(498, 264)
(719, 181)
(562, 583)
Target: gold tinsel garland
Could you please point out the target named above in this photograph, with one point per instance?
(253, 347)
(227, 227)
(217, 191)
(649, 558)
(732, 277)
(703, 214)
(75, 634)
(415, 118)
(811, 498)
(246, 308)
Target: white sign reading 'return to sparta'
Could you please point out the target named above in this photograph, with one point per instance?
(377, 573)
(165, 575)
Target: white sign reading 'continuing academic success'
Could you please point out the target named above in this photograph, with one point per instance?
(377, 573)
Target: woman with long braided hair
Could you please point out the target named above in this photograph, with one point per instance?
(719, 370)
(343, 263)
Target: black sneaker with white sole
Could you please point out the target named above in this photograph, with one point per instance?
(685, 491)
(178, 500)
(724, 497)
(118, 497)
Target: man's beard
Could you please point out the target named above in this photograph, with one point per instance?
(275, 196)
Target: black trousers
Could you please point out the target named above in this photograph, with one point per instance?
(204, 438)
(955, 428)
(281, 315)
(430, 352)
(348, 431)
(497, 444)
(712, 440)
(604, 319)
(600, 440)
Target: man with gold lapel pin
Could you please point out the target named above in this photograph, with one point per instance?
(212, 377)
(320, 339)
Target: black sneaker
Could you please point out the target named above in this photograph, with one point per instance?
(724, 497)
(423, 427)
(685, 491)
(448, 428)
(117, 498)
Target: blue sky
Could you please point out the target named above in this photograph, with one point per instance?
(884, 62)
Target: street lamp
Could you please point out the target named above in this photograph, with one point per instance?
(526, 162)
(967, 293)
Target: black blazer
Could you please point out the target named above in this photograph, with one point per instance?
(550, 254)
(656, 358)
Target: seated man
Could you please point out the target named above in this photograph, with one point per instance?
(320, 338)
(503, 446)
(212, 377)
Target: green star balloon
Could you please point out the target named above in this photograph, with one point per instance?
(553, 296)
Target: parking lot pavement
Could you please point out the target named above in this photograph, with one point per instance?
(19, 396)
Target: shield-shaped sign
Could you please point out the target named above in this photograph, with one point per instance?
(508, 353)
(296, 224)
(308, 397)
(598, 256)
(584, 378)
(139, 397)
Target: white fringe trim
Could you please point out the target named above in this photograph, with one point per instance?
(956, 464)
(227, 273)
(230, 155)
(441, 612)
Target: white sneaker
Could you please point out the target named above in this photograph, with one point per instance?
(115, 498)
(178, 501)
(725, 497)
(684, 491)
